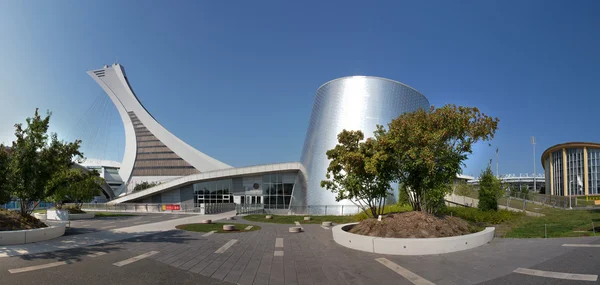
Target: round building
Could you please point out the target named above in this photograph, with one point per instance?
(572, 169)
(351, 103)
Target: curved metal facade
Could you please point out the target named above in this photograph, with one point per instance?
(352, 103)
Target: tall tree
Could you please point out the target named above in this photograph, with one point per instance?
(34, 158)
(490, 190)
(359, 171)
(429, 148)
(4, 191)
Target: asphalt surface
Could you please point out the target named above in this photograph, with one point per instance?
(311, 257)
(106, 223)
(99, 270)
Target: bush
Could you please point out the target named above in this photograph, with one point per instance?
(387, 209)
(478, 216)
(73, 209)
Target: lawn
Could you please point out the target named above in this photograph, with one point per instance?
(556, 223)
(290, 219)
(218, 227)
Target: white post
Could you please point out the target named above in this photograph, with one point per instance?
(533, 143)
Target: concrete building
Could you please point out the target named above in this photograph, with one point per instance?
(572, 169)
(191, 178)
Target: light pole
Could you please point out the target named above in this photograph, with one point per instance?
(533, 143)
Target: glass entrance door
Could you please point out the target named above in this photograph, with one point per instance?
(252, 199)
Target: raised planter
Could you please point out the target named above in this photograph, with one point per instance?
(64, 215)
(39, 216)
(34, 235)
(57, 215)
(410, 246)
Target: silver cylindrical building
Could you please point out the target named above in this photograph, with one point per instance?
(351, 103)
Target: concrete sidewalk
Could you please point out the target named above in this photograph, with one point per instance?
(75, 241)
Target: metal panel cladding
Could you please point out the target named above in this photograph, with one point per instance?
(351, 103)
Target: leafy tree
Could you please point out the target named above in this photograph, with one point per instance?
(428, 149)
(490, 190)
(34, 158)
(74, 186)
(4, 191)
(144, 185)
(359, 171)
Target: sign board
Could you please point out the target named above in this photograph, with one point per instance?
(171, 207)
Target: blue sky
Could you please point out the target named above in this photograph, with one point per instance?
(236, 79)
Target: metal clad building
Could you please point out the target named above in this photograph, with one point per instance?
(351, 103)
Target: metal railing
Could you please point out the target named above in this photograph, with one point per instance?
(334, 210)
(204, 209)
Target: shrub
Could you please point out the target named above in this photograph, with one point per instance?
(387, 209)
(478, 216)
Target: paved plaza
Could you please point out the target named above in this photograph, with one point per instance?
(152, 252)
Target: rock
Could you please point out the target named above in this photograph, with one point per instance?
(206, 222)
(228, 227)
(307, 218)
(268, 217)
(295, 229)
(327, 224)
(230, 218)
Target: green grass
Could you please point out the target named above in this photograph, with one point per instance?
(218, 227)
(104, 214)
(290, 219)
(557, 223)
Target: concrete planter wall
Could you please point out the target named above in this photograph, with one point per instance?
(39, 216)
(64, 215)
(410, 246)
(34, 235)
(57, 215)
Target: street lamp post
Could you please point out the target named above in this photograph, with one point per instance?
(533, 143)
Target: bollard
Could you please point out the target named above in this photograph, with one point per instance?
(228, 227)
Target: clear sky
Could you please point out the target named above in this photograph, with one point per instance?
(236, 79)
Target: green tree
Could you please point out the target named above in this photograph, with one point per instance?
(359, 171)
(4, 191)
(490, 190)
(34, 158)
(144, 185)
(428, 149)
(74, 186)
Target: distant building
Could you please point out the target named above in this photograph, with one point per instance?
(572, 168)
(109, 170)
(521, 181)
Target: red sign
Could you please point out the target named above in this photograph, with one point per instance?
(171, 207)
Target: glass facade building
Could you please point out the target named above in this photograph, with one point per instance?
(572, 169)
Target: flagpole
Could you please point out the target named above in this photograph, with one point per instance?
(497, 173)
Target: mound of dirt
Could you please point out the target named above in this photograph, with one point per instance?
(413, 225)
(13, 221)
